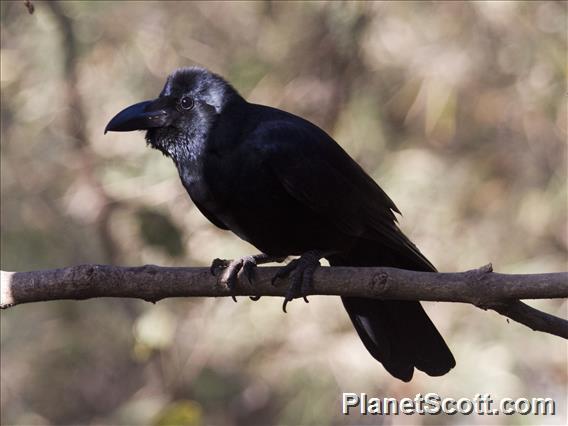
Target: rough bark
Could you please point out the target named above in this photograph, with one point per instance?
(480, 287)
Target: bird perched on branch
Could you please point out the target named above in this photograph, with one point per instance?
(284, 185)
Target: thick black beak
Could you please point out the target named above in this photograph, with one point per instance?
(144, 115)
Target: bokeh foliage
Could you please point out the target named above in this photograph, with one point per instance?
(457, 109)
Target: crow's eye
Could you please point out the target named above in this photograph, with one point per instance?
(186, 103)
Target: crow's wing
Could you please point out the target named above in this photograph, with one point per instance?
(316, 171)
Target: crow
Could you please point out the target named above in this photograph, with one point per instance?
(284, 185)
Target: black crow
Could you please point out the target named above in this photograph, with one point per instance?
(284, 185)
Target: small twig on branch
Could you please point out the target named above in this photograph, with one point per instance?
(480, 287)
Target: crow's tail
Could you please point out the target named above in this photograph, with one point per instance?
(400, 335)
(397, 333)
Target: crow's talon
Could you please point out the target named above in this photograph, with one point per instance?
(285, 271)
(246, 264)
(231, 282)
(217, 265)
(301, 271)
(229, 276)
(248, 268)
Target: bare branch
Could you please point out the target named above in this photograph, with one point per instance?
(531, 317)
(480, 287)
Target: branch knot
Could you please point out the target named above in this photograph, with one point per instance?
(380, 282)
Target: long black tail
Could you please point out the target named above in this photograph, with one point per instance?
(397, 333)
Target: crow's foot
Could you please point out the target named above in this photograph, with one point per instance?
(301, 271)
(246, 264)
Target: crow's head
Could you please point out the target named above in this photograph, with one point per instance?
(190, 102)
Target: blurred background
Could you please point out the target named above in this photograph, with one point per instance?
(457, 109)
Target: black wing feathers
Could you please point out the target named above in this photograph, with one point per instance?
(316, 171)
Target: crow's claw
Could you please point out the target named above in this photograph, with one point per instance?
(217, 265)
(230, 281)
(248, 269)
(284, 271)
(246, 264)
(302, 272)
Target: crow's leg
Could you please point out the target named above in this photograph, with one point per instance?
(247, 264)
(302, 272)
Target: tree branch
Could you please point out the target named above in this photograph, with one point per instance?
(480, 287)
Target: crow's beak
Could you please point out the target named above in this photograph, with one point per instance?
(144, 115)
